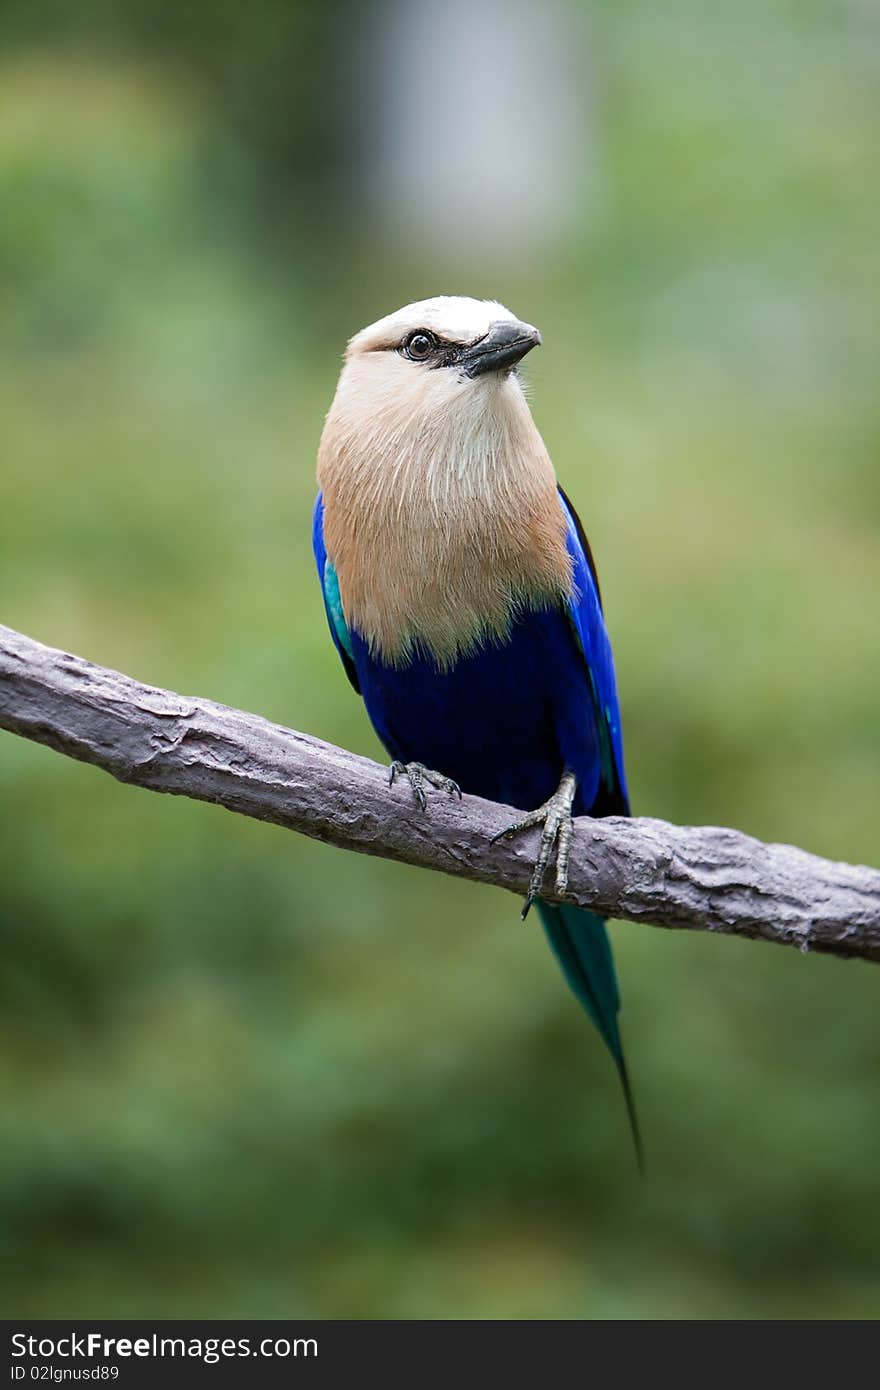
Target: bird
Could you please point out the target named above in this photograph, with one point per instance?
(463, 599)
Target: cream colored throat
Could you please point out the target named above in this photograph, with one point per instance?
(441, 536)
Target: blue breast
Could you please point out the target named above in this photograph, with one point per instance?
(505, 722)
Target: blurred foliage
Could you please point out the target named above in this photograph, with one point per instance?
(243, 1074)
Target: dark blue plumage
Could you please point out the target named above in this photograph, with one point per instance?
(505, 722)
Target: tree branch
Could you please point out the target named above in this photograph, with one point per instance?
(698, 878)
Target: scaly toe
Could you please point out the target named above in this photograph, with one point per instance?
(527, 822)
(555, 819)
(563, 849)
(443, 784)
(417, 776)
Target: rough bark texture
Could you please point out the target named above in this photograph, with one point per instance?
(699, 878)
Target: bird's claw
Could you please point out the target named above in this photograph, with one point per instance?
(418, 775)
(557, 825)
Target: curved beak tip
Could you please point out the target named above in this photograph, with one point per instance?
(505, 344)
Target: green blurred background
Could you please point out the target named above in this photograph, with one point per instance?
(246, 1075)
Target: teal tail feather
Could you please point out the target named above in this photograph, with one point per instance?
(581, 945)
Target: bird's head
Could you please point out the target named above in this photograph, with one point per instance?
(439, 370)
(462, 339)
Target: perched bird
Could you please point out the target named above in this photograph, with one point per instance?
(463, 599)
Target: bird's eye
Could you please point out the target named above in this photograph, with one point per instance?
(419, 345)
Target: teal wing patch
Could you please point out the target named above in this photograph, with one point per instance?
(330, 593)
(334, 609)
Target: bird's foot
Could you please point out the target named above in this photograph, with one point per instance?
(555, 818)
(418, 775)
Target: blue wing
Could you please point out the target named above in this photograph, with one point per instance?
(585, 615)
(330, 592)
(579, 938)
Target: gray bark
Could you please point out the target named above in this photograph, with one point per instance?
(694, 877)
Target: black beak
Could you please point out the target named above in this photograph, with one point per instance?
(500, 349)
